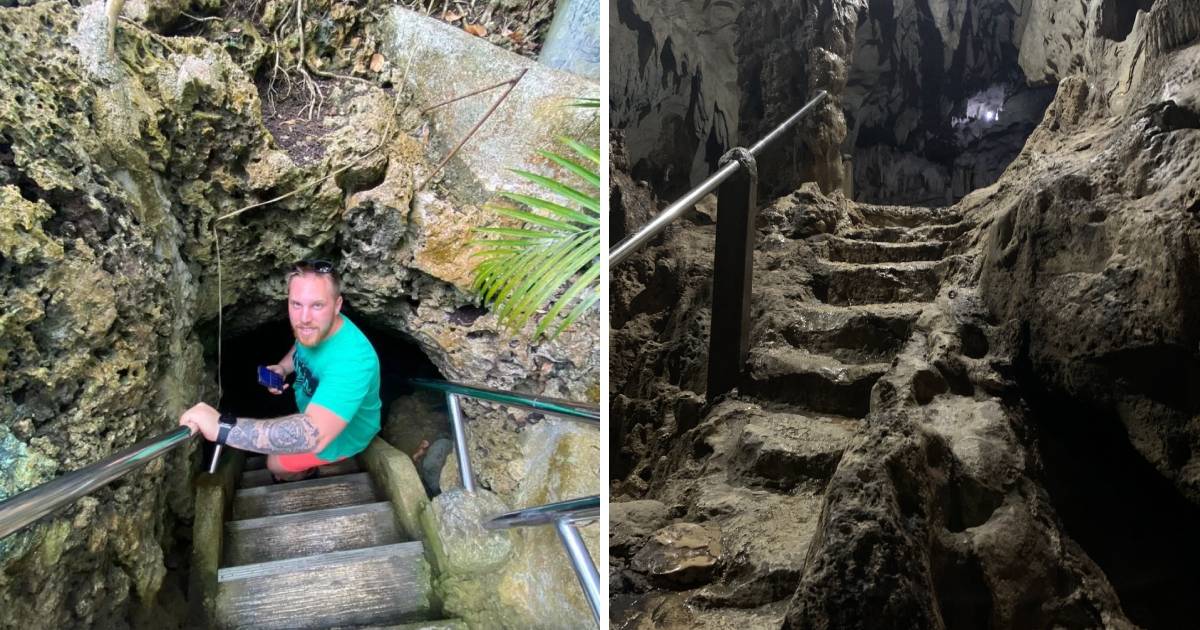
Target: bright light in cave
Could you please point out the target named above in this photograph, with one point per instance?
(983, 107)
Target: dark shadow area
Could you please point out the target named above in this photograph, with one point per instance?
(1129, 519)
(421, 416)
(399, 360)
(926, 125)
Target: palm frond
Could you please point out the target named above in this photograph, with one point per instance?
(551, 263)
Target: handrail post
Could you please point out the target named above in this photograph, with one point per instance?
(581, 560)
(733, 270)
(460, 443)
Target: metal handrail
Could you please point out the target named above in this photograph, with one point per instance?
(564, 515)
(23, 509)
(635, 241)
(588, 414)
(555, 406)
(573, 510)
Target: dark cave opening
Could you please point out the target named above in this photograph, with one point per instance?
(927, 125)
(1127, 517)
(400, 359)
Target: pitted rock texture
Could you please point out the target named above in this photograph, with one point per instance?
(691, 80)
(937, 338)
(113, 174)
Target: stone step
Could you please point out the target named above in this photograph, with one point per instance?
(854, 251)
(849, 283)
(783, 450)
(895, 234)
(905, 216)
(871, 333)
(377, 585)
(812, 382)
(269, 538)
(262, 476)
(302, 496)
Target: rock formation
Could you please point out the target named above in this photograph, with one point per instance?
(114, 172)
(940, 404)
(691, 80)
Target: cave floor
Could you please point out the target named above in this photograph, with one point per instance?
(760, 463)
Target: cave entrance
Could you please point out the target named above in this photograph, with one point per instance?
(1127, 517)
(409, 415)
(927, 123)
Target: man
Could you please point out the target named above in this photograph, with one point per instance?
(336, 387)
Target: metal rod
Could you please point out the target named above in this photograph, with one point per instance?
(635, 241)
(581, 561)
(512, 84)
(27, 507)
(216, 459)
(570, 410)
(460, 443)
(574, 510)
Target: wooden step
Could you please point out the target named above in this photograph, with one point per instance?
(377, 585)
(301, 496)
(309, 533)
(262, 476)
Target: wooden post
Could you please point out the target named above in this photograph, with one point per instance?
(733, 269)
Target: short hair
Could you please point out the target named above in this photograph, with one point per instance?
(316, 268)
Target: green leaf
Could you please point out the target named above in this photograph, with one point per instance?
(535, 219)
(582, 284)
(566, 191)
(581, 149)
(550, 206)
(529, 234)
(551, 262)
(586, 175)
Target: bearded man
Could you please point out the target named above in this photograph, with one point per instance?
(336, 386)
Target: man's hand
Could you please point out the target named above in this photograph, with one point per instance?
(278, 369)
(203, 418)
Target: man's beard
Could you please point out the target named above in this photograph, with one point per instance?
(318, 333)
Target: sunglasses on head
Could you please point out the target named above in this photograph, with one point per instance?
(314, 266)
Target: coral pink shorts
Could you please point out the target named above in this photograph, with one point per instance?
(299, 462)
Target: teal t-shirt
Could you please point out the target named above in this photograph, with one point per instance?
(342, 375)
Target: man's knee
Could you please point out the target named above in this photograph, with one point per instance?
(274, 465)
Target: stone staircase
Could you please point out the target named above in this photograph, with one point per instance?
(756, 467)
(320, 553)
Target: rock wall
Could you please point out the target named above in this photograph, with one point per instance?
(113, 173)
(938, 99)
(691, 80)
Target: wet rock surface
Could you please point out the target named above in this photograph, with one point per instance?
(986, 337)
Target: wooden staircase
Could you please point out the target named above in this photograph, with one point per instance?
(320, 553)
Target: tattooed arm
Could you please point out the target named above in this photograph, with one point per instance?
(289, 434)
(307, 432)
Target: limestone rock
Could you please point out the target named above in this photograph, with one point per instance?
(676, 73)
(114, 173)
(680, 555)
(631, 522)
(533, 114)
